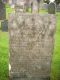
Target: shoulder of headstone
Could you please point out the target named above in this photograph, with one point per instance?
(11, 17)
(11, 20)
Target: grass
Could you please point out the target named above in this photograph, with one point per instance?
(3, 56)
(56, 55)
(4, 51)
(41, 11)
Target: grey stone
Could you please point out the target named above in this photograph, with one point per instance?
(45, 6)
(18, 78)
(58, 8)
(2, 11)
(35, 6)
(51, 8)
(4, 25)
(4, 1)
(19, 6)
(31, 46)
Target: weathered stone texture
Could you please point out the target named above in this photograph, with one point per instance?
(51, 8)
(31, 46)
(4, 25)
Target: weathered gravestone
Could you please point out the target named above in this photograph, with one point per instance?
(2, 11)
(4, 25)
(19, 7)
(58, 8)
(31, 45)
(45, 6)
(51, 8)
(35, 6)
(4, 1)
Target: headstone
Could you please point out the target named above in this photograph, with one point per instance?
(31, 45)
(2, 11)
(51, 8)
(31, 7)
(45, 6)
(58, 8)
(4, 1)
(4, 25)
(35, 6)
(19, 5)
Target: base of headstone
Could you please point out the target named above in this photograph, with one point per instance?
(4, 25)
(18, 78)
(26, 77)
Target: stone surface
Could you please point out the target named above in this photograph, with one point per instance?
(35, 6)
(51, 8)
(4, 25)
(45, 6)
(58, 8)
(31, 46)
(2, 11)
(24, 5)
(19, 6)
